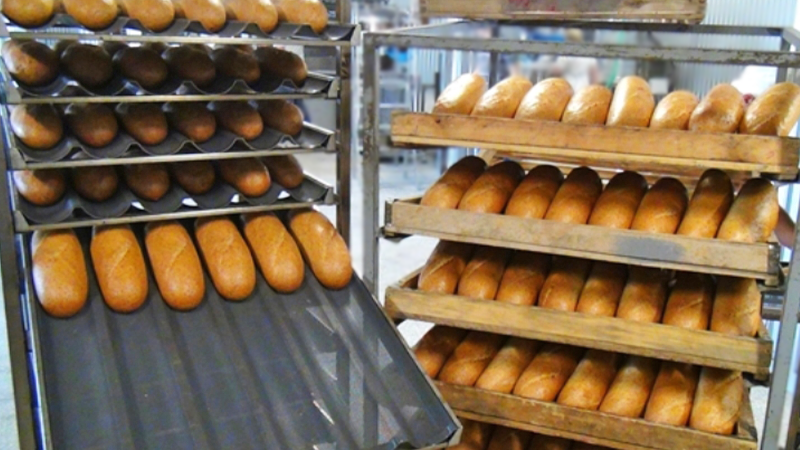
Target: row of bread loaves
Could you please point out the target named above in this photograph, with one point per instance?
(482, 436)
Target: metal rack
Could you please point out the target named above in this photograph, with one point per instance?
(461, 36)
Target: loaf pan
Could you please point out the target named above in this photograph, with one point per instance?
(316, 369)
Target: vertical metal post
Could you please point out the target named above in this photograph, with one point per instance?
(344, 123)
(371, 165)
(783, 72)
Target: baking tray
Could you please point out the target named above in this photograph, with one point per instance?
(314, 369)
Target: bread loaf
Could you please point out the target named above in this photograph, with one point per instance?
(632, 105)
(534, 194)
(753, 215)
(227, 257)
(444, 267)
(720, 111)
(63, 44)
(279, 65)
(142, 65)
(673, 392)
(589, 106)
(261, 12)
(145, 122)
(618, 203)
(37, 126)
(94, 124)
(545, 101)
(523, 278)
(155, 15)
(689, 304)
(275, 251)
(249, 176)
(30, 62)
(87, 64)
(306, 12)
(710, 203)
(509, 439)
(576, 197)
(503, 371)
(176, 264)
(193, 120)
(674, 110)
(586, 446)
(475, 435)
(119, 265)
(436, 346)
(285, 170)
(470, 358)
(503, 99)
(95, 183)
(451, 186)
(234, 63)
(737, 307)
(563, 285)
(41, 187)
(323, 247)
(627, 396)
(603, 289)
(589, 383)
(548, 372)
(492, 190)
(542, 442)
(240, 118)
(190, 63)
(29, 13)
(718, 401)
(195, 177)
(662, 208)
(773, 113)
(157, 46)
(481, 277)
(59, 272)
(644, 295)
(210, 13)
(281, 115)
(461, 96)
(147, 181)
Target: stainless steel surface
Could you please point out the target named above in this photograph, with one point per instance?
(371, 165)
(344, 116)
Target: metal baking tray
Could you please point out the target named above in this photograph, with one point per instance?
(316, 369)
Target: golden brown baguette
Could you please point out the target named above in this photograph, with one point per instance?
(475, 435)
(261, 12)
(306, 12)
(689, 304)
(673, 392)
(249, 175)
(277, 65)
(323, 247)
(627, 396)
(233, 62)
(542, 442)
(674, 110)
(94, 124)
(503, 99)
(191, 119)
(662, 208)
(718, 401)
(147, 181)
(30, 13)
(436, 346)
(509, 439)
(176, 264)
(546, 101)
(30, 62)
(95, 183)
(589, 383)
(119, 265)
(90, 65)
(190, 63)
(143, 65)
(41, 187)
(523, 278)
(285, 170)
(603, 289)
(210, 13)
(281, 115)
(59, 272)
(461, 96)
(618, 203)
(710, 203)
(737, 307)
(481, 277)
(504, 370)
(753, 215)
(227, 257)
(632, 105)
(773, 113)
(240, 118)
(275, 251)
(576, 197)
(447, 191)
(720, 111)
(644, 295)
(564, 283)
(145, 122)
(195, 177)
(37, 126)
(492, 190)
(589, 106)
(546, 374)
(533, 195)
(153, 14)
(470, 358)
(444, 267)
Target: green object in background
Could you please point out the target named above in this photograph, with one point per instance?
(615, 68)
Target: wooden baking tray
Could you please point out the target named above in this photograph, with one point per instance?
(640, 149)
(592, 426)
(679, 10)
(712, 256)
(704, 348)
